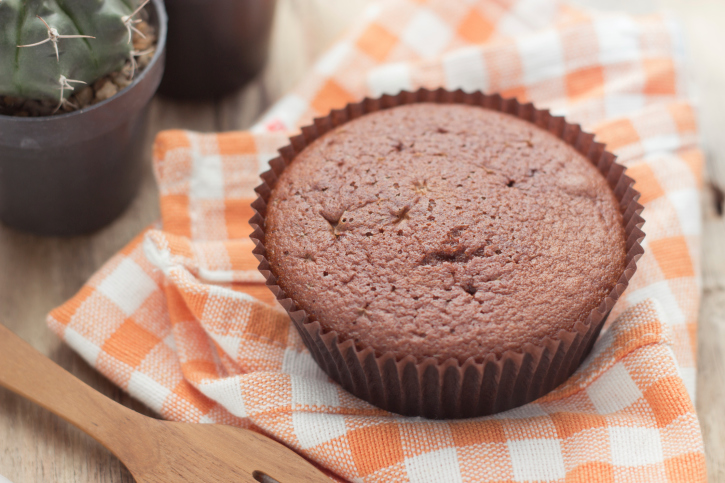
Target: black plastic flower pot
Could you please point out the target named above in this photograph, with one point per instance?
(74, 173)
(215, 46)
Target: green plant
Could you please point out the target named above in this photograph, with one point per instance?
(47, 46)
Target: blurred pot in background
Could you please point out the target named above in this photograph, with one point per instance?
(214, 47)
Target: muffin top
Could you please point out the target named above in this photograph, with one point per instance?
(445, 231)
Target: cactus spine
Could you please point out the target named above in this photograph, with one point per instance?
(47, 46)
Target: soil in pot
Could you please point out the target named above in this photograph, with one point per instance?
(144, 46)
(74, 172)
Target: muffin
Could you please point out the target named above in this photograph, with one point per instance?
(447, 235)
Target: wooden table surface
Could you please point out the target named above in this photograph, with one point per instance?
(38, 274)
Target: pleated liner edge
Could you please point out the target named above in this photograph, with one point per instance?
(451, 389)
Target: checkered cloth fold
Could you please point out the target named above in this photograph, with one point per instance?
(181, 318)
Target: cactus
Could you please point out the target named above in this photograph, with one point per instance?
(47, 46)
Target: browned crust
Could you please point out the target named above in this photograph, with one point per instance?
(476, 386)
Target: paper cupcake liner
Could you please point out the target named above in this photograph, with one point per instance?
(450, 389)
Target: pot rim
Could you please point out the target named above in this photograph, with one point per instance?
(162, 20)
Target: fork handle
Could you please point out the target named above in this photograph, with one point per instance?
(27, 372)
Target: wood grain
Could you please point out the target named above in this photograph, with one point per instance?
(38, 274)
(155, 451)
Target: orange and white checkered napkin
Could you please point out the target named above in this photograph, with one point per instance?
(181, 319)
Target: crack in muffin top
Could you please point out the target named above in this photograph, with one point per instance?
(444, 231)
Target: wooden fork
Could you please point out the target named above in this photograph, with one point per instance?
(153, 450)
